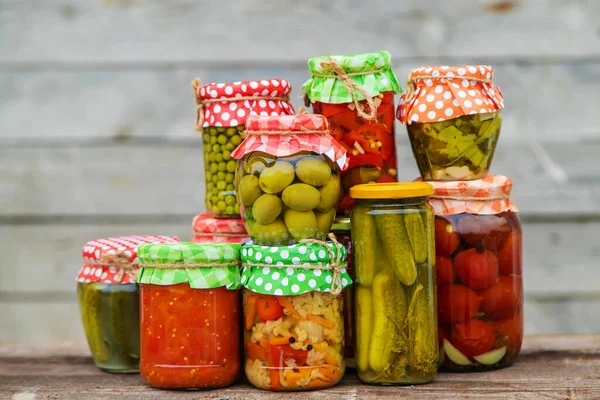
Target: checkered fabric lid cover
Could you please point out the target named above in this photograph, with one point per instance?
(291, 134)
(218, 230)
(490, 195)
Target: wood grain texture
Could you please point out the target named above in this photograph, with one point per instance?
(567, 371)
(283, 31)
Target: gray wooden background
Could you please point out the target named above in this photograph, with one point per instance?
(96, 114)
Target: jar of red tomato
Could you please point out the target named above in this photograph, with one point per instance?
(212, 230)
(356, 94)
(189, 315)
(479, 273)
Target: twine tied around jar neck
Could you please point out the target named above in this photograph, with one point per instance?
(471, 198)
(339, 73)
(119, 261)
(200, 103)
(220, 234)
(411, 82)
(214, 264)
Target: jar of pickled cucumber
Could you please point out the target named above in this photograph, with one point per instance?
(453, 117)
(288, 178)
(356, 94)
(395, 293)
(109, 300)
(190, 315)
(217, 230)
(222, 109)
(479, 274)
(341, 230)
(293, 319)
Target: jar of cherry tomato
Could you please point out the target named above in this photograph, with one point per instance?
(288, 178)
(479, 273)
(356, 94)
(395, 293)
(189, 315)
(294, 324)
(453, 117)
(109, 300)
(341, 230)
(213, 230)
(222, 109)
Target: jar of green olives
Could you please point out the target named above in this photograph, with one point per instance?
(453, 119)
(288, 178)
(222, 109)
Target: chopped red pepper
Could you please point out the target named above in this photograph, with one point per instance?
(281, 354)
(268, 308)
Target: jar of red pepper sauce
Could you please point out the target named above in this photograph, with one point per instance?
(212, 230)
(356, 94)
(190, 315)
(479, 273)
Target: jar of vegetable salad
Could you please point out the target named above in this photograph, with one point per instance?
(109, 300)
(453, 119)
(190, 315)
(294, 328)
(479, 273)
(395, 293)
(222, 109)
(288, 179)
(356, 94)
(218, 230)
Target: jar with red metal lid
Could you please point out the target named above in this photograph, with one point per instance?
(217, 230)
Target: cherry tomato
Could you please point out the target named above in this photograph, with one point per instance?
(491, 230)
(473, 338)
(511, 328)
(446, 238)
(444, 271)
(501, 300)
(457, 303)
(478, 270)
(283, 353)
(268, 308)
(510, 258)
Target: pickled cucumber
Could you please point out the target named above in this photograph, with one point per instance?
(91, 314)
(365, 245)
(302, 224)
(363, 315)
(325, 220)
(396, 245)
(266, 208)
(277, 177)
(313, 171)
(415, 229)
(125, 322)
(249, 190)
(330, 193)
(301, 197)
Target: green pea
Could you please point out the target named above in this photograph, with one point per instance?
(221, 175)
(218, 157)
(236, 140)
(214, 167)
(222, 166)
(212, 158)
(215, 210)
(213, 140)
(222, 206)
(231, 166)
(214, 191)
(215, 178)
(231, 131)
(214, 199)
(226, 155)
(229, 146)
(229, 178)
(229, 210)
(230, 187)
(210, 186)
(221, 129)
(222, 196)
(212, 130)
(205, 139)
(230, 200)
(221, 185)
(216, 148)
(222, 139)
(236, 208)
(208, 176)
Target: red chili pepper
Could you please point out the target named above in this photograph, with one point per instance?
(268, 308)
(346, 203)
(373, 139)
(281, 354)
(365, 159)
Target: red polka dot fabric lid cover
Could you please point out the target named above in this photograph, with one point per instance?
(272, 99)
(442, 93)
(114, 260)
(218, 230)
(490, 195)
(291, 134)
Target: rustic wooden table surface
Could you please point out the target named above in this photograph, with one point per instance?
(550, 367)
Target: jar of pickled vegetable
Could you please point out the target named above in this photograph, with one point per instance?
(479, 274)
(288, 178)
(222, 109)
(453, 119)
(190, 315)
(356, 94)
(109, 300)
(341, 230)
(217, 230)
(395, 293)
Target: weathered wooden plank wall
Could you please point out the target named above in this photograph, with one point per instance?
(96, 133)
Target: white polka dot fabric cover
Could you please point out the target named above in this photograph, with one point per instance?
(275, 274)
(102, 258)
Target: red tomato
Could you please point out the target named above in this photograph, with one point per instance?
(457, 303)
(511, 328)
(444, 271)
(281, 354)
(491, 230)
(268, 308)
(501, 300)
(473, 338)
(446, 238)
(477, 270)
(510, 258)
(444, 332)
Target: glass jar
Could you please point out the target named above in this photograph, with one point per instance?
(294, 324)
(341, 230)
(222, 112)
(109, 301)
(479, 273)
(213, 230)
(356, 94)
(395, 293)
(288, 178)
(190, 316)
(453, 119)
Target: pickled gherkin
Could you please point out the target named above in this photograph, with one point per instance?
(415, 230)
(390, 227)
(364, 325)
(365, 245)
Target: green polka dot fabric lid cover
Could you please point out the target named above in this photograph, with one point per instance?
(203, 265)
(277, 270)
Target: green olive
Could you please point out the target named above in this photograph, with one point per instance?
(266, 208)
(277, 177)
(249, 190)
(324, 221)
(273, 234)
(330, 193)
(314, 171)
(301, 224)
(301, 197)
